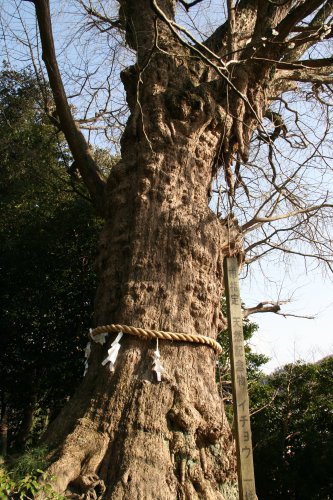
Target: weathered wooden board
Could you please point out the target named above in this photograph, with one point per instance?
(246, 482)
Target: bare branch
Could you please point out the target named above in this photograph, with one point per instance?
(272, 246)
(263, 220)
(111, 23)
(189, 5)
(271, 401)
(269, 237)
(314, 31)
(78, 145)
(272, 307)
(308, 63)
(295, 16)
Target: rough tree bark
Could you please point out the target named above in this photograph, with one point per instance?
(160, 266)
(124, 435)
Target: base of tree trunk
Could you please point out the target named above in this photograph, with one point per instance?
(140, 439)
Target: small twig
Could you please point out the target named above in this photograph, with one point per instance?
(266, 405)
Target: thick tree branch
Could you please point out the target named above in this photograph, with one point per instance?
(305, 76)
(245, 14)
(272, 307)
(231, 27)
(77, 143)
(262, 307)
(307, 63)
(189, 5)
(315, 31)
(295, 16)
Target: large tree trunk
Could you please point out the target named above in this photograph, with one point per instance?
(160, 267)
(124, 435)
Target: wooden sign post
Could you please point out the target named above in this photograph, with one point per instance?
(246, 483)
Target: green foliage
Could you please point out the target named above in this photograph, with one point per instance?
(27, 487)
(293, 432)
(29, 462)
(254, 361)
(24, 477)
(29, 144)
(48, 238)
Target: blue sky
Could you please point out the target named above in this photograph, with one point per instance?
(286, 340)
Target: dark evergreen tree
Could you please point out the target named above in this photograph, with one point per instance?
(293, 432)
(47, 237)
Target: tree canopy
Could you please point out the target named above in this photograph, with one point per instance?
(48, 235)
(292, 429)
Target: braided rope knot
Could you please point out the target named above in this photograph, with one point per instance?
(145, 333)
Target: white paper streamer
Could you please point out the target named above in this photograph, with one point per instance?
(113, 352)
(87, 352)
(100, 338)
(157, 366)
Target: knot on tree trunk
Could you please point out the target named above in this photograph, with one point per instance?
(87, 487)
(198, 448)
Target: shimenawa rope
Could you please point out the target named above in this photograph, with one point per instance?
(145, 333)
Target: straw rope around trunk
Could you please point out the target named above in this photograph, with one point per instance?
(145, 333)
